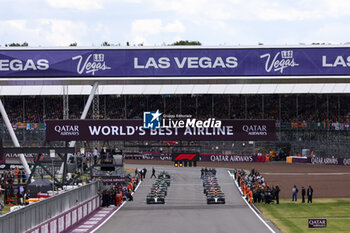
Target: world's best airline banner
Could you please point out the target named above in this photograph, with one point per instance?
(93, 130)
(175, 62)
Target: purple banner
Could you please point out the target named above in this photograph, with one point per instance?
(330, 161)
(111, 179)
(175, 62)
(148, 156)
(203, 157)
(317, 222)
(233, 158)
(228, 158)
(93, 130)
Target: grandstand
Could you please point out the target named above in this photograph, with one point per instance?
(311, 112)
(318, 122)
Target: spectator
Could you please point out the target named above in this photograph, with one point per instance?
(310, 192)
(277, 192)
(153, 173)
(303, 194)
(294, 193)
(144, 173)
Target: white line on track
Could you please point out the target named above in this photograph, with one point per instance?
(115, 210)
(149, 185)
(261, 219)
(307, 174)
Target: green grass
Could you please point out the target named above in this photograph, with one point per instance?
(292, 217)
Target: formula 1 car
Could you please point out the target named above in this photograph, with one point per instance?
(159, 190)
(163, 175)
(213, 190)
(163, 181)
(216, 199)
(155, 199)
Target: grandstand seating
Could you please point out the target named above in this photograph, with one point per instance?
(307, 108)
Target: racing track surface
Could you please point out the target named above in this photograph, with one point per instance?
(186, 209)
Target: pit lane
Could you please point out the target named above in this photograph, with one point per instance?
(185, 209)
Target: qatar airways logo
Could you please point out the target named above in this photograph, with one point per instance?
(346, 162)
(281, 61)
(92, 64)
(255, 129)
(67, 130)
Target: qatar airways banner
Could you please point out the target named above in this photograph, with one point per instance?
(93, 130)
(329, 161)
(173, 62)
(202, 157)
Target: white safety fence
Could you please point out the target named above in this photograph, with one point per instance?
(35, 214)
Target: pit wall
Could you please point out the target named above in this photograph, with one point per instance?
(47, 210)
(68, 219)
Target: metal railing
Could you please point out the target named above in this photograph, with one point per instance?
(30, 216)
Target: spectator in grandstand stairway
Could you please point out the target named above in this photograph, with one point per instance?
(303, 194)
(153, 173)
(277, 193)
(310, 191)
(294, 193)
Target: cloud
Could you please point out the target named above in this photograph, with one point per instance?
(153, 22)
(329, 33)
(176, 27)
(155, 26)
(82, 5)
(63, 32)
(145, 28)
(266, 10)
(43, 32)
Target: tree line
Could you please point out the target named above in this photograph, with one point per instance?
(106, 44)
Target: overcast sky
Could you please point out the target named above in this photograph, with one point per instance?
(158, 22)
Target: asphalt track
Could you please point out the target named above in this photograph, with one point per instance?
(185, 209)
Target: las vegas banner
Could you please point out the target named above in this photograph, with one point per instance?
(174, 62)
(190, 130)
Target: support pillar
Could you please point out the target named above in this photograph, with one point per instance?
(96, 112)
(65, 103)
(87, 107)
(83, 117)
(13, 137)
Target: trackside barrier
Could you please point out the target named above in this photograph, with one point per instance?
(33, 215)
(68, 219)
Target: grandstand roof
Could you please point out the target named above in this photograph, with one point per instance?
(26, 90)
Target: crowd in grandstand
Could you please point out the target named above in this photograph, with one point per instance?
(284, 108)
